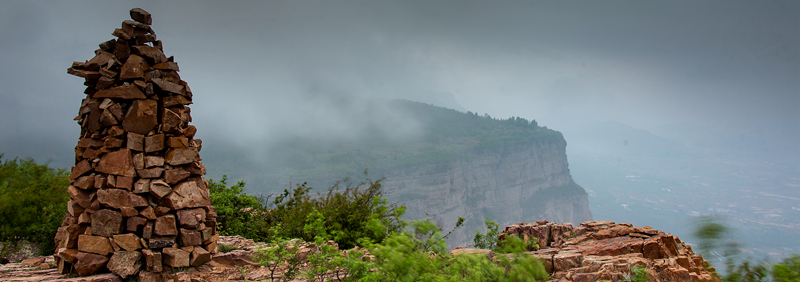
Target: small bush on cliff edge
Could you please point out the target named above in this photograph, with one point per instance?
(32, 202)
(349, 214)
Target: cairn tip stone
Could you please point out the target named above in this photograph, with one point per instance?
(138, 200)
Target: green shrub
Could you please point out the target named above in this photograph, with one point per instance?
(348, 214)
(32, 202)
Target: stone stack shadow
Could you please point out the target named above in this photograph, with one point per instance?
(138, 200)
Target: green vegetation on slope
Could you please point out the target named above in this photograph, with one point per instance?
(33, 201)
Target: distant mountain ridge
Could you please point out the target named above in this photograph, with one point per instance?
(460, 165)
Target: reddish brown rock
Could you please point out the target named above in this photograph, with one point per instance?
(186, 194)
(189, 237)
(159, 188)
(167, 66)
(153, 260)
(89, 263)
(124, 182)
(94, 244)
(173, 176)
(134, 224)
(118, 198)
(117, 163)
(128, 211)
(121, 92)
(151, 53)
(124, 263)
(81, 197)
(153, 161)
(148, 213)
(141, 117)
(141, 186)
(175, 257)
(79, 169)
(199, 256)
(150, 172)
(106, 223)
(135, 141)
(180, 156)
(165, 226)
(133, 68)
(154, 143)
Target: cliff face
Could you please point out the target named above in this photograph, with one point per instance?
(510, 184)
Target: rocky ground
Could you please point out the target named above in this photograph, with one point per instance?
(593, 251)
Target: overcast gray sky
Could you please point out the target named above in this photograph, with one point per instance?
(263, 69)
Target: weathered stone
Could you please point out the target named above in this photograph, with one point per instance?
(113, 143)
(134, 224)
(124, 182)
(234, 258)
(152, 53)
(83, 198)
(133, 68)
(80, 169)
(154, 143)
(147, 231)
(150, 172)
(199, 256)
(190, 218)
(106, 223)
(121, 92)
(69, 255)
(84, 182)
(153, 260)
(117, 163)
(161, 210)
(118, 198)
(175, 257)
(142, 16)
(173, 176)
(152, 161)
(566, 260)
(135, 141)
(165, 226)
(186, 194)
(167, 66)
(141, 117)
(128, 211)
(141, 186)
(94, 244)
(89, 263)
(125, 263)
(190, 131)
(195, 168)
(168, 86)
(172, 121)
(148, 213)
(178, 142)
(148, 276)
(161, 242)
(652, 250)
(159, 188)
(74, 209)
(189, 237)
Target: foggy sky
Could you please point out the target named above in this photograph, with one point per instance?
(266, 70)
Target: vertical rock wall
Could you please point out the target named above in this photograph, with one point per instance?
(138, 201)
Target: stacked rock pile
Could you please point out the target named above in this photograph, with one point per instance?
(138, 201)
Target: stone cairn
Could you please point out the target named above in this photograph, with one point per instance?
(138, 201)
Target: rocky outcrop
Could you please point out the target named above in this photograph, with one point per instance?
(604, 250)
(510, 184)
(138, 199)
